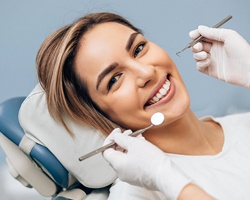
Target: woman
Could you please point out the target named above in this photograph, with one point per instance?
(102, 71)
(224, 55)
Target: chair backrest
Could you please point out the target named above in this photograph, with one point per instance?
(41, 154)
(36, 167)
(38, 125)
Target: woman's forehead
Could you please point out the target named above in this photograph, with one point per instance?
(101, 45)
(104, 39)
(112, 30)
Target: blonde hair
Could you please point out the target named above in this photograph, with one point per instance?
(66, 93)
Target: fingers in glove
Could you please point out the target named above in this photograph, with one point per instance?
(194, 34)
(127, 132)
(218, 34)
(204, 45)
(113, 157)
(200, 56)
(197, 47)
(202, 66)
(117, 150)
(110, 137)
(123, 140)
(207, 46)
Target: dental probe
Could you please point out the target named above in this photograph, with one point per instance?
(112, 144)
(156, 119)
(198, 39)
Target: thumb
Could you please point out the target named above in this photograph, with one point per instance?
(113, 156)
(123, 140)
(218, 34)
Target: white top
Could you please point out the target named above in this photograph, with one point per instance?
(224, 176)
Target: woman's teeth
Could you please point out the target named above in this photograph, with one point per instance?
(161, 93)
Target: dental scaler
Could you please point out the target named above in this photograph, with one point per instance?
(156, 120)
(198, 39)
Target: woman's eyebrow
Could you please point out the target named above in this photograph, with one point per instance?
(115, 64)
(105, 72)
(131, 40)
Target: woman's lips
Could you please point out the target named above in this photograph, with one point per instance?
(163, 94)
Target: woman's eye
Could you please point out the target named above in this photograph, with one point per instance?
(138, 49)
(113, 80)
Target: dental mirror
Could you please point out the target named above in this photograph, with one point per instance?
(156, 119)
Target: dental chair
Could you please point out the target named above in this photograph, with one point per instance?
(42, 155)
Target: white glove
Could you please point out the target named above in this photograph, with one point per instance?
(144, 165)
(224, 55)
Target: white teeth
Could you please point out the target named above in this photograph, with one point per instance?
(155, 98)
(163, 91)
(166, 85)
(159, 95)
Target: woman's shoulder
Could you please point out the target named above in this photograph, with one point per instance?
(124, 191)
(235, 125)
(236, 118)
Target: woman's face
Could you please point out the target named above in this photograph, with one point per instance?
(129, 77)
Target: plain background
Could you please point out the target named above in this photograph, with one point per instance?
(25, 24)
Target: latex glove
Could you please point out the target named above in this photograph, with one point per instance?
(225, 55)
(143, 164)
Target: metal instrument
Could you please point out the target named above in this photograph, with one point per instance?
(156, 119)
(198, 39)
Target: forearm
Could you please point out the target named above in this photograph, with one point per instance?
(193, 192)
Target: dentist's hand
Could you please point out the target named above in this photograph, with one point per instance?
(143, 164)
(224, 55)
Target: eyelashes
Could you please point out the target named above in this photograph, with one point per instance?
(113, 80)
(138, 49)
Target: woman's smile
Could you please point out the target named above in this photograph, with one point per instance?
(162, 93)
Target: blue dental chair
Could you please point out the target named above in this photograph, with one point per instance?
(30, 169)
(36, 166)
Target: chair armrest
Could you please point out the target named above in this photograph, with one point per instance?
(23, 167)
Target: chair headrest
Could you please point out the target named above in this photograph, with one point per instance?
(9, 124)
(37, 123)
(11, 129)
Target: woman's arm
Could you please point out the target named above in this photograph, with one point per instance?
(193, 192)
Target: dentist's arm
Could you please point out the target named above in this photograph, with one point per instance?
(141, 163)
(224, 55)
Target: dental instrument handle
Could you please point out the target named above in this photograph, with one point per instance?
(112, 144)
(138, 132)
(215, 26)
(198, 39)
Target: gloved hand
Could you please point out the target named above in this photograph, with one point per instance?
(145, 165)
(224, 55)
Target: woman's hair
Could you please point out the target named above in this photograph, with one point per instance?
(66, 93)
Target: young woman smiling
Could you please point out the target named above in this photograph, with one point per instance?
(101, 71)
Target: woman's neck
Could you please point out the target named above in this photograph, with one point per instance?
(188, 136)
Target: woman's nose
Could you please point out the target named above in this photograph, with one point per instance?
(143, 73)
